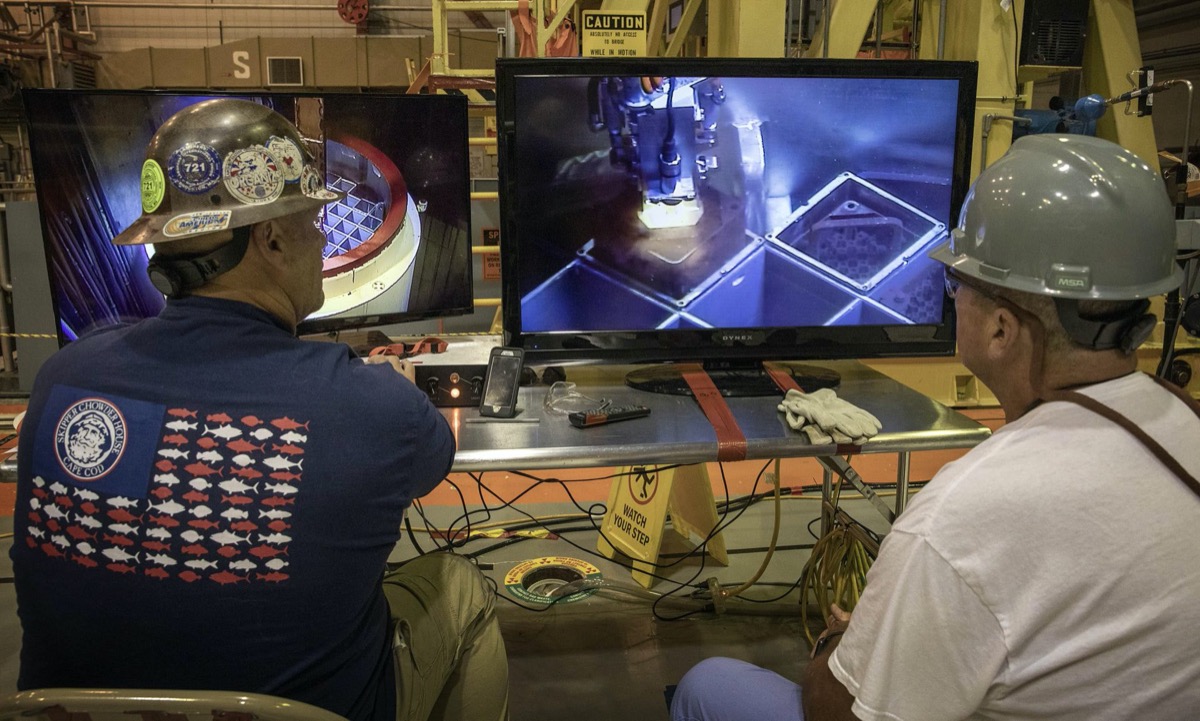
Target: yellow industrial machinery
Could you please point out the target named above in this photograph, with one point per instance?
(990, 34)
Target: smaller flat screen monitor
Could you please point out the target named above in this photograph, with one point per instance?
(729, 211)
(398, 246)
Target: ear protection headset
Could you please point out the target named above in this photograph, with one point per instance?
(176, 275)
(1125, 330)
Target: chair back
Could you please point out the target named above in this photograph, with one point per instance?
(86, 704)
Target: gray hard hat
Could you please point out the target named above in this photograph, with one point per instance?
(1068, 216)
(223, 164)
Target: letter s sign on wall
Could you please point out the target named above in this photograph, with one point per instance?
(241, 59)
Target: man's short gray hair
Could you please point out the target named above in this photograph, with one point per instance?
(1057, 341)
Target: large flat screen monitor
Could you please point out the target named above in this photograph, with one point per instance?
(729, 211)
(399, 244)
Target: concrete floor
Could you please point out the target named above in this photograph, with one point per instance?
(605, 656)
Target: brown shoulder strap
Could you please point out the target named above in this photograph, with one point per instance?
(1144, 438)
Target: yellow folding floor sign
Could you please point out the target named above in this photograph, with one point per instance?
(639, 503)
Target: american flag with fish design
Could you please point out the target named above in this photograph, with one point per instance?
(219, 505)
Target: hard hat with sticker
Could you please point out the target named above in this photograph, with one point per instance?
(153, 186)
(194, 168)
(252, 175)
(223, 164)
(291, 161)
(313, 186)
(194, 223)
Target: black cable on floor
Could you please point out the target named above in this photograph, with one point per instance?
(412, 536)
(429, 528)
(736, 505)
(717, 528)
(590, 552)
(466, 514)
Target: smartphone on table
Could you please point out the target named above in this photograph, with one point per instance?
(502, 382)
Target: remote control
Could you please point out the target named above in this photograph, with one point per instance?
(586, 419)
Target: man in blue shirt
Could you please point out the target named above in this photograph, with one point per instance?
(207, 502)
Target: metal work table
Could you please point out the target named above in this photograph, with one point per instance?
(676, 431)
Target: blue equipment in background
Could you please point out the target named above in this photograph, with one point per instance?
(1064, 116)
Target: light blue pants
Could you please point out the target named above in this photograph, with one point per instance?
(725, 689)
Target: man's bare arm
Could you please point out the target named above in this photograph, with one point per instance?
(823, 696)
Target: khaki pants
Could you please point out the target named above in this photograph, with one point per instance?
(449, 656)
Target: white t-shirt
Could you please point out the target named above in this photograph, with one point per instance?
(1052, 572)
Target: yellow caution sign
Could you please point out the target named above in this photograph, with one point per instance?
(639, 503)
(614, 34)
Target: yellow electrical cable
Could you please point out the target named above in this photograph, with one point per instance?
(850, 497)
(507, 522)
(770, 547)
(6, 535)
(836, 571)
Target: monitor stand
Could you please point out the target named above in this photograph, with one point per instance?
(732, 380)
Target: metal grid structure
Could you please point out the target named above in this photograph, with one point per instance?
(349, 222)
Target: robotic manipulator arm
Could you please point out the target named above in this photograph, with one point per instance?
(659, 128)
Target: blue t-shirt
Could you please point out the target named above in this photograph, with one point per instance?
(205, 501)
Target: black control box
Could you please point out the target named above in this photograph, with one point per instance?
(455, 378)
(452, 385)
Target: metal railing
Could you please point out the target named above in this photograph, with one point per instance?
(6, 330)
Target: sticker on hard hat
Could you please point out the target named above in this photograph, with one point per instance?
(291, 160)
(153, 186)
(202, 221)
(312, 185)
(252, 176)
(194, 168)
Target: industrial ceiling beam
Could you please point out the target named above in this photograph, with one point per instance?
(479, 20)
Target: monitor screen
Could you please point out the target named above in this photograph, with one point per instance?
(398, 245)
(729, 209)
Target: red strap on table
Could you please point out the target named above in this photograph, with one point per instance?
(429, 344)
(786, 382)
(782, 378)
(731, 442)
(396, 349)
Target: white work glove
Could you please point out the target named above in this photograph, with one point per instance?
(814, 434)
(818, 437)
(841, 420)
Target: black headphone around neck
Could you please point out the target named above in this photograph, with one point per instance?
(175, 275)
(1125, 330)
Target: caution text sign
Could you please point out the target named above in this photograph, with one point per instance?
(491, 266)
(636, 513)
(613, 34)
(491, 261)
(639, 502)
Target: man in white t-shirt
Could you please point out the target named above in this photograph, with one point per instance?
(1050, 573)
